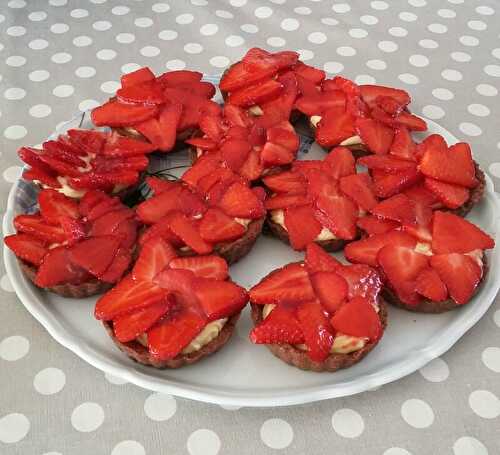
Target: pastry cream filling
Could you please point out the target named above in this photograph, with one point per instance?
(255, 110)
(353, 140)
(210, 332)
(342, 344)
(425, 248)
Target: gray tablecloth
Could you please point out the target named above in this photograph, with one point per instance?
(58, 56)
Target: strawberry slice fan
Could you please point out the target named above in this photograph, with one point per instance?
(172, 311)
(57, 245)
(160, 111)
(319, 314)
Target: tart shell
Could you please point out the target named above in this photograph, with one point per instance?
(299, 358)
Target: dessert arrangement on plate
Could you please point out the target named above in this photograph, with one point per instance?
(393, 205)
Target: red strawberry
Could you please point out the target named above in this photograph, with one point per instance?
(434, 141)
(362, 280)
(26, 247)
(370, 93)
(286, 182)
(137, 77)
(211, 125)
(155, 255)
(255, 94)
(160, 229)
(105, 181)
(239, 201)
(118, 267)
(318, 333)
(59, 166)
(318, 102)
(191, 203)
(155, 208)
(302, 226)
(213, 267)
(330, 288)
(180, 77)
(57, 267)
(289, 284)
(282, 201)
(99, 206)
(350, 88)
(114, 113)
(160, 185)
(90, 200)
(41, 176)
(185, 229)
(84, 253)
(122, 146)
(129, 326)
(389, 105)
(365, 251)
(54, 206)
(421, 195)
(216, 226)
(86, 141)
(283, 135)
(276, 155)
(410, 121)
(36, 226)
(358, 318)
(387, 163)
(145, 93)
(429, 285)
(74, 230)
(62, 152)
(31, 157)
(280, 108)
(335, 126)
(305, 86)
(311, 73)
(420, 229)
(387, 184)
(339, 214)
(375, 135)
(450, 195)
(359, 188)
(373, 225)
(398, 208)
(318, 260)
(103, 164)
(453, 234)
(204, 166)
(201, 143)
(339, 163)
(403, 146)
(235, 152)
(280, 326)
(402, 265)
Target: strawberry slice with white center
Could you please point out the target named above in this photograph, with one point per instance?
(331, 290)
(149, 92)
(27, 247)
(276, 155)
(429, 284)
(301, 225)
(375, 135)
(155, 255)
(155, 208)
(318, 260)
(339, 214)
(316, 103)
(185, 229)
(280, 326)
(362, 280)
(213, 267)
(410, 121)
(216, 226)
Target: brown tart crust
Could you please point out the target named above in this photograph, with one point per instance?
(136, 351)
(299, 358)
(75, 291)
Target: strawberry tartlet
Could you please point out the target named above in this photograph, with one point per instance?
(75, 249)
(160, 110)
(319, 201)
(172, 311)
(431, 265)
(319, 314)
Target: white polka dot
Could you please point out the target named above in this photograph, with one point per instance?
(451, 75)
(305, 54)
(39, 75)
(40, 110)
(6, 284)
(61, 57)
(485, 10)
(125, 38)
(276, 41)
(496, 317)
(303, 10)
(348, 423)
(492, 70)
(434, 113)
(436, 370)
(376, 64)
(479, 110)
(15, 60)
(184, 19)
(87, 417)
(485, 404)
(379, 5)
(358, 33)
(496, 52)
(128, 447)
(79, 13)
(234, 41)
(249, 28)
(346, 51)
(85, 71)
(230, 407)
(143, 22)
(289, 24)
(486, 90)
(276, 433)
(160, 7)
(106, 54)
(443, 94)
(13, 428)
(224, 14)
(110, 86)
(59, 28)
(175, 64)
(329, 21)
(115, 379)
(203, 442)
(120, 10)
(263, 12)
(368, 19)
(16, 30)
(418, 60)
(333, 67)
(237, 3)
(160, 407)
(168, 35)
(387, 46)
(98, 2)
(447, 13)
(82, 41)
(437, 28)
(199, 2)
(58, 2)
(428, 44)
(37, 16)
(150, 51)
(317, 37)
(130, 67)
(14, 93)
(468, 445)
(209, 29)
(219, 61)
(49, 381)
(14, 347)
(461, 57)
(470, 129)
(417, 413)
(477, 25)
(38, 44)
(364, 79)
(398, 31)
(396, 451)
(193, 48)
(495, 171)
(467, 40)
(491, 358)
(15, 132)
(63, 91)
(417, 3)
(16, 4)
(341, 8)
(408, 78)
(102, 26)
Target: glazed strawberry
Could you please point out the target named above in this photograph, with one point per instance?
(335, 126)
(387, 184)
(286, 182)
(374, 225)
(36, 226)
(154, 256)
(330, 288)
(137, 77)
(375, 135)
(35, 174)
(116, 114)
(149, 92)
(240, 201)
(317, 103)
(317, 260)
(397, 208)
(281, 326)
(57, 267)
(410, 121)
(403, 146)
(370, 93)
(216, 226)
(186, 230)
(202, 266)
(450, 195)
(428, 284)
(339, 162)
(359, 188)
(276, 155)
(235, 152)
(302, 225)
(386, 163)
(180, 77)
(255, 94)
(84, 253)
(339, 214)
(362, 281)
(27, 247)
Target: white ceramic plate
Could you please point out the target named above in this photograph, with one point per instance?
(243, 374)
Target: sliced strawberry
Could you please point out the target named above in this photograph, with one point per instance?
(180, 77)
(204, 166)
(59, 166)
(365, 251)
(239, 201)
(330, 288)
(375, 135)
(302, 226)
(350, 88)
(160, 229)
(122, 146)
(211, 126)
(86, 141)
(311, 73)
(403, 146)
(100, 206)
(137, 77)
(339, 214)
(118, 267)
(359, 187)
(282, 201)
(374, 225)
(429, 285)
(185, 229)
(410, 121)
(305, 86)
(74, 230)
(450, 195)
(318, 332)
(160, 185)
(90, 199)
(192, 203)
(276, 155)
(235, 152)
(370, 93)
(460, 273)
(318, 260)
(286, 59)
(216, 227)
(362, 281)
(155, 208)
(397, 208)
(54, 206)
(59, 151)
(149, 92)
(201, 143)
(433, 141)
(453, 234)
(84, 253)
(35, 174)
(280, 326)
(213, 267)
(107, 181)
(27, 247)
(36, 226)
(317, 103)
(339, 163)
(114, 113)
(421, 195)
(129, 326)
(284, 135)
(286, 182)
(155, 255)
(260, 193)
(255, 94)
(358, 318)
(280, 108)
(387, 184)
(387, 163)
(420, 229)
(289, 284)
(304, 166)
(252, 168)
(335, 126)
(244, 74)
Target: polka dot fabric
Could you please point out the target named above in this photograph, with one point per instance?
(61, 56)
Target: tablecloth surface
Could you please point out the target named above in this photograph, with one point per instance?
(60, 56)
